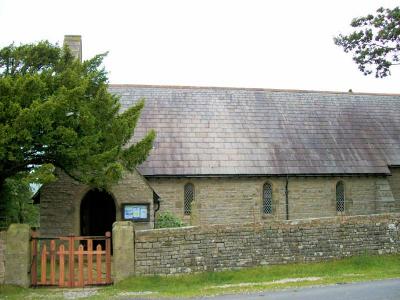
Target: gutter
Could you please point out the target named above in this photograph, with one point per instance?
(263, 175)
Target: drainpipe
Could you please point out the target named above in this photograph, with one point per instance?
(287, 197)
(156, 202)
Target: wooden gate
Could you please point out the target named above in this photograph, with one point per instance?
(71, 261)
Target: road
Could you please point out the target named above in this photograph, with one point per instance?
(373, 290)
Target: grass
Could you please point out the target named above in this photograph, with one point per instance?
(360, 268)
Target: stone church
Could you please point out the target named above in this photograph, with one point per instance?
(235, 155)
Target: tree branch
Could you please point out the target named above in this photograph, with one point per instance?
(70, 174)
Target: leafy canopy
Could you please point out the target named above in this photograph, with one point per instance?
(376, 42)
(56, 111)
(17, 204)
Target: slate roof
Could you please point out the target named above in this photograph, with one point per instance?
(204, 131)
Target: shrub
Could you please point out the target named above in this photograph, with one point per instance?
(168, 220)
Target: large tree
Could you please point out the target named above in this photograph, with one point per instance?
(56, 111)
(375, 43)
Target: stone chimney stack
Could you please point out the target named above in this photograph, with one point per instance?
(74, 42)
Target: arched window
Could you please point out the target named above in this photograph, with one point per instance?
(267, 198)
(188, 198)
(340, 197)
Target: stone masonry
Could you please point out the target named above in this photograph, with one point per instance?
(18, 255)
(60, 202)
(394, 182)
(220, 247)
(224, 200)
(123, 250)
(2, 255)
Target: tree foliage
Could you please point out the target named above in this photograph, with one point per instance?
(56, 111)
(375, 43)
(17, 205)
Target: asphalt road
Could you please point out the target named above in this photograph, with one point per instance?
(373, 290)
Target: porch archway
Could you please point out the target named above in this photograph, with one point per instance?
(97, 213)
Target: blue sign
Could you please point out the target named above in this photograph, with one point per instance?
(136, 212)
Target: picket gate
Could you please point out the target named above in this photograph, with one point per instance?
(71, 261)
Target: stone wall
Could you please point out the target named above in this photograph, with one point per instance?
(394, 182)
(239, 199)
(2, 255)
(133, 188)
(220, 247)
(18, 255)
(225, 200)
(58, 206)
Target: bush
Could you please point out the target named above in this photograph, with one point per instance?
(168, 220)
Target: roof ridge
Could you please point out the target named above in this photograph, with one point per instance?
(249, 89)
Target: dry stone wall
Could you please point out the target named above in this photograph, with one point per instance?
(220, 247)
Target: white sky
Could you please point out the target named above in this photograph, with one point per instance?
(267, 44)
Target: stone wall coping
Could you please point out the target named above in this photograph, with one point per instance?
(169, 229)
(123, 224)
(268, 224)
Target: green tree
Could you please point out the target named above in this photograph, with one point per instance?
(375, 43)
(17, 205)
(56, 111)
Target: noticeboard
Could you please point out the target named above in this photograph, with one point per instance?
(137, 212)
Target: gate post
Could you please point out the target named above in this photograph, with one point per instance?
(123, 238)
(17, 262)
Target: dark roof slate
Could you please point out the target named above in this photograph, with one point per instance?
(233, 131)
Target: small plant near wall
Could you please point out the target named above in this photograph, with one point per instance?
(168, 220)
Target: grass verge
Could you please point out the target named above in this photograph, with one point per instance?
(359, 268)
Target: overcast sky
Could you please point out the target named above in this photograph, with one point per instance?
(267, 44)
